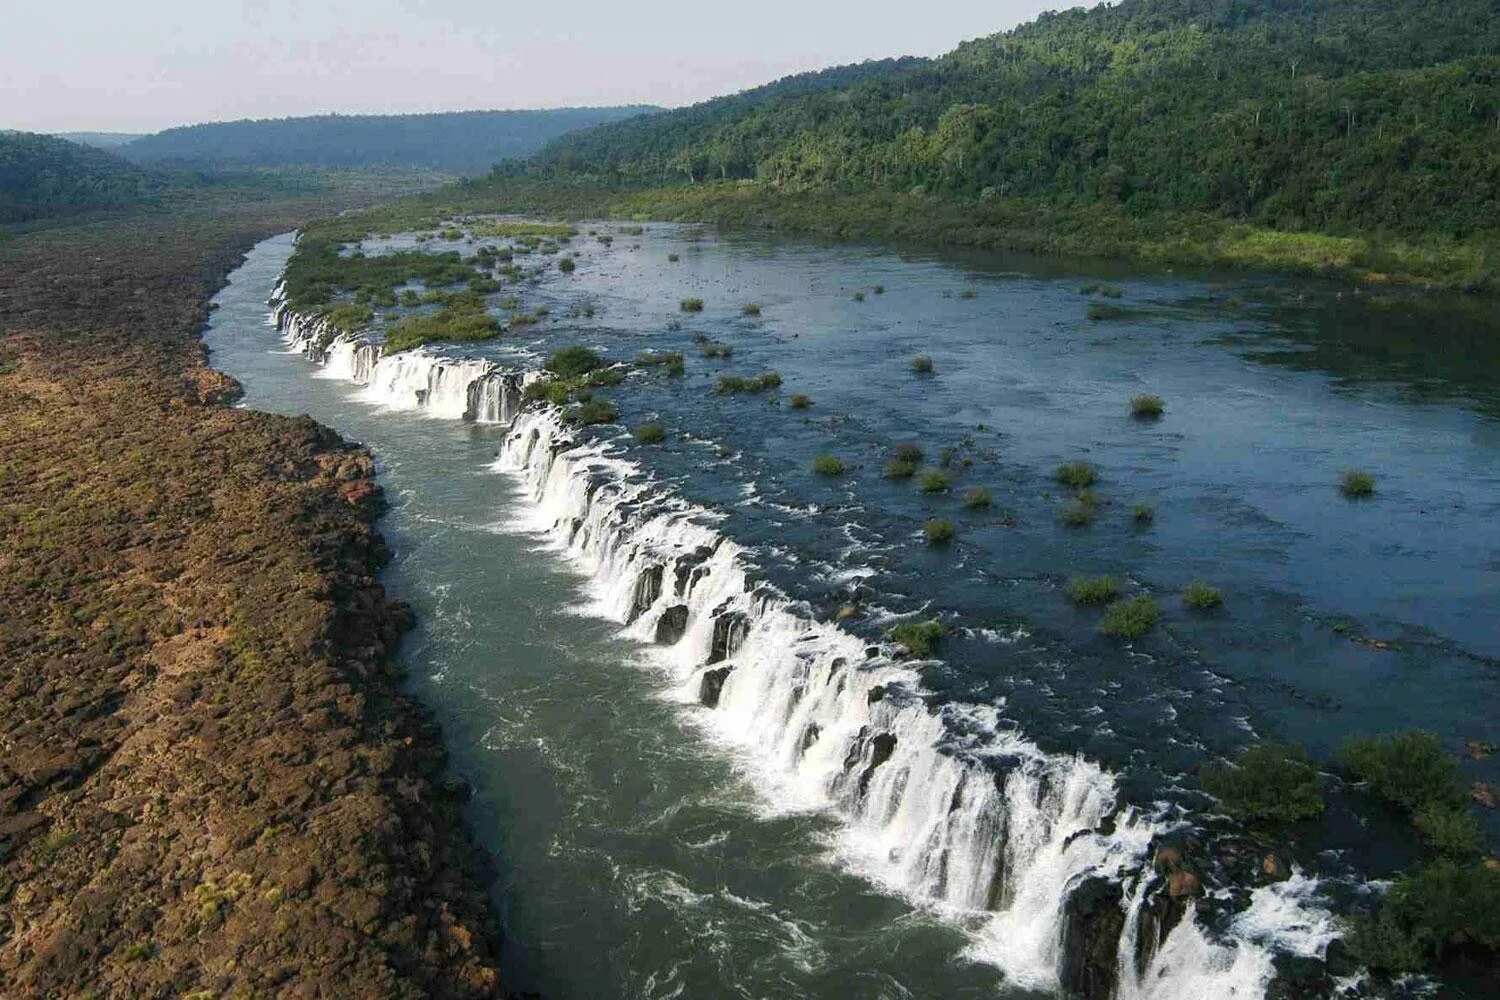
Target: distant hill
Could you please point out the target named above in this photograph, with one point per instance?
(466, 142)
(42, 176)
(1328, 115)
(101, 140)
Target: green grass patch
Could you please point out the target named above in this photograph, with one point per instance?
(828, 465)
(936, 481)
(750, 309)
(1147, 406)
(1092, 590)
(730, 385)
(799, 401)
(938, 531)
(691, 305)
(1357, 484)
(652, 433)
(1077, 475)
(1201, 597)
(921, 364)
(978, 498)
(1077, 514)
(1130, 619)
(573, 360)
(593, 411)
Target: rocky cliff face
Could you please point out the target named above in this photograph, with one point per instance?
(210, 781)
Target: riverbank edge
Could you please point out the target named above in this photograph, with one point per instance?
(1104, 232)
(209, 586)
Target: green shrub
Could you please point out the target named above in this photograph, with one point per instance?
(1146, 406)
(1449, 828)
(1268, 782)
(1077, 515)
(909, 451)
(691, 305)
(140, 951)
(594, 411)
(715, 349)
(978, 498)
(567, 265)
(572, 361)
(673, 258)
(1443, 905)
(1130, 619)
(651, 433)
(936, 481)
(968, 293)
(900, 468)
(918, 637)
(729, 385)
(798, 401)
(938, 531)
(921, 364)
(1092, 589)
(859, 296)
(606, 377)
(1143, 513)
(878, 289)
(1201, 597)
(1357, 484)
(648, 359)
(1076, 474)
(828, 465)
(1408, 770)
(750, 309)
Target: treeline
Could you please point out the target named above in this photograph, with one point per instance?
(1330, 115)
(456, 142)
(42, 177)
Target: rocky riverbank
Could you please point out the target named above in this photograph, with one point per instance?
(210, 781)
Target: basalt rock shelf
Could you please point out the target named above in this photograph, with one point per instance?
(211, 783)
(1057, 881)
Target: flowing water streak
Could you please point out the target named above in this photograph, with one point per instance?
(938, 803)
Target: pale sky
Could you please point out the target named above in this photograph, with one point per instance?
(107, 65)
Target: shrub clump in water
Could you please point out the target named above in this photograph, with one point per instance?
(691, 305)
(1143, 513)
(918, 637)
(1092, 589)
(729, 385)
(938, 531)
(573, 361)
(651, 433)
(1201, 597)
(921, 364)
(1130, 619)
(978, 498)
(936, 481)
(1147, 406)
(594, 411)
(1077, 475)
(1077, 514)
(828, 465)
(800, 401)
(1357, 484)
(1266, 782)
(750, 309)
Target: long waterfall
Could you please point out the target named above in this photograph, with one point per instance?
(938, 802)
(463, 389)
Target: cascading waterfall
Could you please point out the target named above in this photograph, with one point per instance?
(940, 804)
(466, 389)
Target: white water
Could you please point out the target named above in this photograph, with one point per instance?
(939, 805)
(464, 389)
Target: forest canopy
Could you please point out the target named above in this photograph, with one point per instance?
(1329, 115)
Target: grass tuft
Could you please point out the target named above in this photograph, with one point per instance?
(828, 465)
(1147, 406)
(936, 481)
(1130, 619)
(978, 498)
(799, 401)
(938, 531)
(1092, 590)
(652, 433)
(918, 637)
(691, 305)
(1357, 484)
(1201, 597)
(1078, 475)
(921, 364)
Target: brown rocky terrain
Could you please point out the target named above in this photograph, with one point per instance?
(211, 784)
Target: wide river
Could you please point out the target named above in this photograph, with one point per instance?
(653, 847)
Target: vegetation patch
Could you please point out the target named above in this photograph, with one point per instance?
(919, 638)
(1077, 475)
(1201, 597)
(978, 498)
(799, 401)
(1130, 619)
(921, 364)
(1357, 484)
(691, 305)
(592, 412)
(828, 465)
(936, 481)
(1091, 590)
(573, 360)
(1147, 406)
(652, 433)
(1266, 782)
(938, 531)
(730, 385)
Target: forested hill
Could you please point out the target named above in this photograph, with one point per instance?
(42, 176)
(1333, 115)
(454, 142)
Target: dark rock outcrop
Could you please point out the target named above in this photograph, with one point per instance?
(672, 625)
(1093, 919)
(712, 685)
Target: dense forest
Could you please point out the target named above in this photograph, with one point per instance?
(1329, 115)
(457, 142)
(42, 176)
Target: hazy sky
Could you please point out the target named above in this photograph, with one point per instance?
(147, 65)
